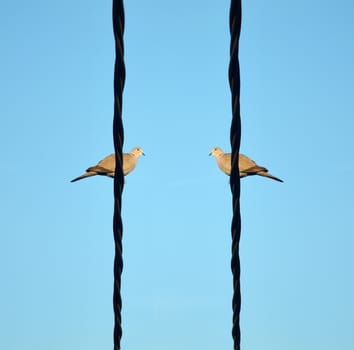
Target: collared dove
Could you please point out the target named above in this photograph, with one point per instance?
(107, 166)
(246, 165)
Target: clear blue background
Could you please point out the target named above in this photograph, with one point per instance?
(56, 242)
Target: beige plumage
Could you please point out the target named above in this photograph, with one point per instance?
(246, 165)
(107, 166)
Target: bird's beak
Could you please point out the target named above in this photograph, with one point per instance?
(210, 154)
(143, 154)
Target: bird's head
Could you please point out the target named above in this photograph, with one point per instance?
(216, 151)
(137, 152)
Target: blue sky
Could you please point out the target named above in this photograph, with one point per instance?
(56, 242)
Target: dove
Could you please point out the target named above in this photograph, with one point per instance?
(107, 166)
(246, 165)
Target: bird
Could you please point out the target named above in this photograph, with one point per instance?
(246, 165)
(107, 166)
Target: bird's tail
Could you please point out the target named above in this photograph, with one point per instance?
(83, 176)
(262, 173)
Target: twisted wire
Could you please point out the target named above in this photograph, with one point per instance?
(235, 138)
(118, 137)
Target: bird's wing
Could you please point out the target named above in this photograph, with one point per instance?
(108, 163)
(248, 165)
(105, 165)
